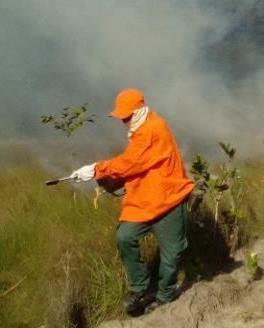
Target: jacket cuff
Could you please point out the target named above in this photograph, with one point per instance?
(99, 171)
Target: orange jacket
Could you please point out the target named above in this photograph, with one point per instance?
(153, 171)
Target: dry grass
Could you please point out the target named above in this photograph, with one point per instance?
(64, 247)
(253, 223)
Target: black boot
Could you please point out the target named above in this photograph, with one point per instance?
(135, 303)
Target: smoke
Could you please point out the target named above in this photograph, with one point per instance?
(198, 62)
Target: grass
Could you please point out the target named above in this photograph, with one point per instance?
(64, 249)
(253, 220)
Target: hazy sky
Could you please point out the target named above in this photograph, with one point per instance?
(200, 63)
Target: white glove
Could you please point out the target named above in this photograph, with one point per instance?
(85, 173)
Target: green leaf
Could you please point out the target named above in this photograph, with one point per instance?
(46, 118)
(200, 168)
(228, 149)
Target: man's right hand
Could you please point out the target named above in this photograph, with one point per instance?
(85, 173)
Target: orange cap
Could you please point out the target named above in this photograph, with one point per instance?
(126, 102)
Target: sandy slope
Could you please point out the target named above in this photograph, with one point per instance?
(231, 300)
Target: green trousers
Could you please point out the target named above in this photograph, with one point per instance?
(170, 232)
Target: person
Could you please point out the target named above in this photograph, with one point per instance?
(157, 189)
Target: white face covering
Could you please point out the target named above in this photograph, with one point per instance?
(138, 118)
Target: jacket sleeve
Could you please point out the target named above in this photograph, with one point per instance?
(136, 159)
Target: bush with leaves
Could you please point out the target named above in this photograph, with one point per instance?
(224, 187)
(70, 120)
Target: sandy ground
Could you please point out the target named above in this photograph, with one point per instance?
(230, 300)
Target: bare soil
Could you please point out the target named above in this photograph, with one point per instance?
(229, 300)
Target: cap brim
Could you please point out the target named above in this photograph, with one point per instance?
(117, 115)
(110, 114)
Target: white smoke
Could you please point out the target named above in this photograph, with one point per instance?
(61, 52)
